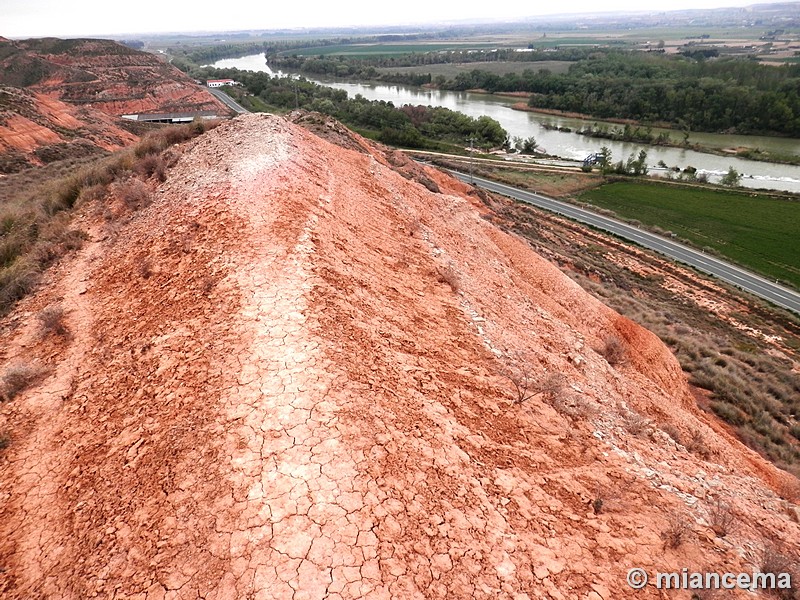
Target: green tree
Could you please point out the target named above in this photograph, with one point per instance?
(526, 146)
(732, 178)
(604, 159)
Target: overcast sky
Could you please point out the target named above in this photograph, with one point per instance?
(23, 18)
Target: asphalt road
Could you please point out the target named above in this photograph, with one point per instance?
(228, 101)
(725, 271)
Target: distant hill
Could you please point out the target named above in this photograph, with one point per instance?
(102, 74)
(37, 129)
(63, 98)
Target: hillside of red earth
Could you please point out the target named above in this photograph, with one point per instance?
(63, 98)
(102, 74)
(312, 368)
(36, 129)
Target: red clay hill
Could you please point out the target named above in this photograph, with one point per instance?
(63, 97)
(295, 375)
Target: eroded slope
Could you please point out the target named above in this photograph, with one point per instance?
(102, 74)
(292, 377)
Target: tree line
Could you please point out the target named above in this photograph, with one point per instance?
(408, 126)
(733, 95)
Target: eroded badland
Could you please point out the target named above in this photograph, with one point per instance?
(294, 374)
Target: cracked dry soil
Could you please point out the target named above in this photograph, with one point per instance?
(271, 391)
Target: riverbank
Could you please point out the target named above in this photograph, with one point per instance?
(743, 152)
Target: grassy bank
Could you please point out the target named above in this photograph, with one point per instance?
(757, 231)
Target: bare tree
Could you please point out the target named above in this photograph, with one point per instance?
(518, 373)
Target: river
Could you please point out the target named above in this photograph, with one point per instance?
(573, 146)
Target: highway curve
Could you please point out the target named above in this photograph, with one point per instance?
(746, 280)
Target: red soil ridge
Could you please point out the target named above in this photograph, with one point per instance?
(285, 380)
(103, 75)
(30, 121)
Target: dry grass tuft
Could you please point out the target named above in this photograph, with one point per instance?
(553, 386)
(635, 424)
(614, 351)
(52, 321)
(133, 193)
(697, 445)
(721, 518)
(677, 531)
(18, 378)
(152, 165)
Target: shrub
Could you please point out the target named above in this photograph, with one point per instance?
(133, 193)
(18, 378)
(614, 351)
(676, 532)
(721, 518)
(152, 165)
(51, 321)
(517, 372)
(697, 444)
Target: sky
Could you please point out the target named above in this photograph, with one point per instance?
(60, 18)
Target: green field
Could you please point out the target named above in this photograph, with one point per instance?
(756, 231)
(450, 70)
(379, 49)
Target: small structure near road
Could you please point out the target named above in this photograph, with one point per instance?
(215, 83)
(184, 117)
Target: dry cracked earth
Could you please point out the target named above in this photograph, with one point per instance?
(293, 376)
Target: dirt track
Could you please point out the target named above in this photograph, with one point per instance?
(272, 391)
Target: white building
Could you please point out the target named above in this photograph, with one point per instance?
(215, 83)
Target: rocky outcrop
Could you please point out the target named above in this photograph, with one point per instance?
(301, 374)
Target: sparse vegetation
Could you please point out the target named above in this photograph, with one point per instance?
(18, 378)
(673, 432)
(697, 444)
(721, 518)
(52, 321)
(553, 386)
(614, 351)
(635, 424)
(676, 532)
(35, 208)
(776, 559)
(743, 357)
(145, 268)
(518, 373)
(133, 193)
